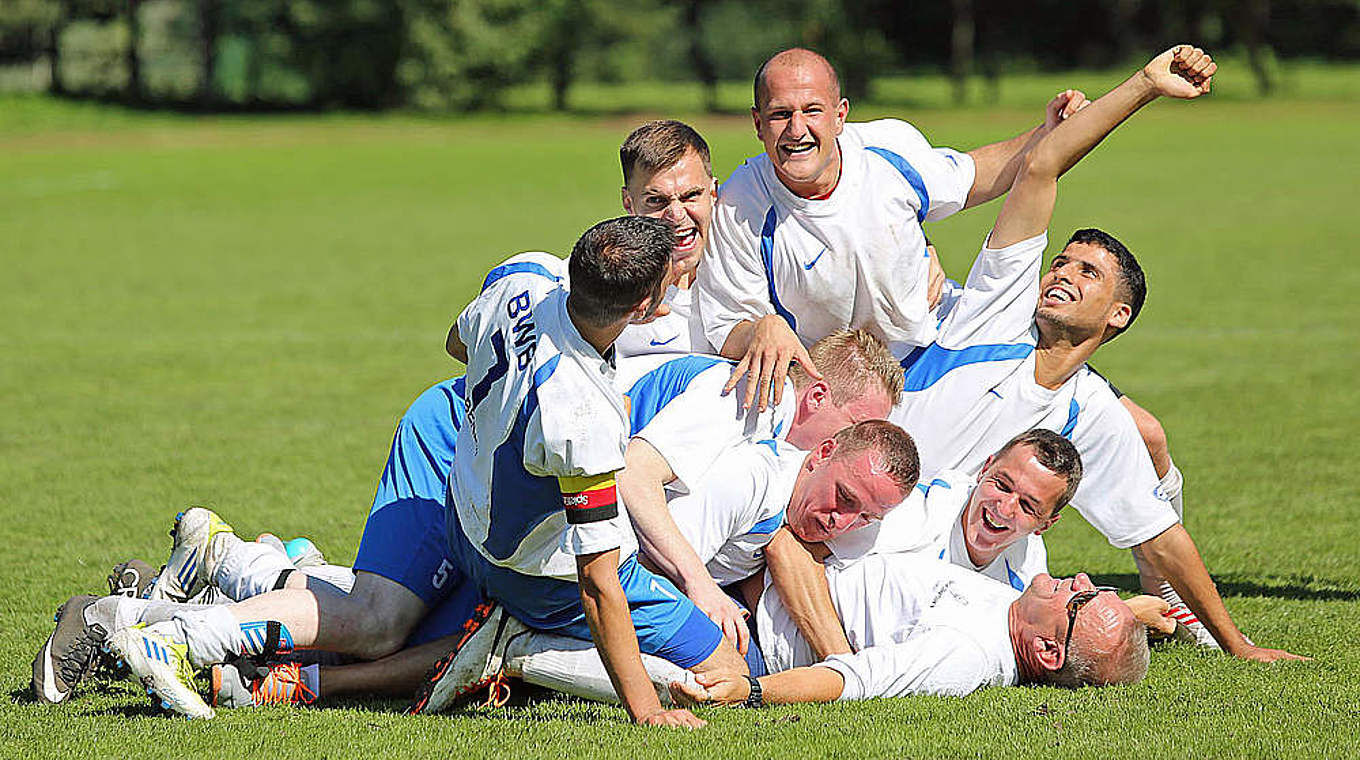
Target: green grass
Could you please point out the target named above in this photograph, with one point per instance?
(235, 311)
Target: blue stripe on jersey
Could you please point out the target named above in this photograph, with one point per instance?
(519, 500)
(911, 358)
(767, 256)
(768, 525)
(1014, 577)
(910, 174)
(1073, 409)
(936, 361)
(526, 267)
(496, 372)
(654, 390)
(940, 483)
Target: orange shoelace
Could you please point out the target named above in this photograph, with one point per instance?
(283, 686)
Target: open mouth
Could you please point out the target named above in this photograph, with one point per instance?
(796, 151)
(990, 524)
(685, 240)
(1058, 294)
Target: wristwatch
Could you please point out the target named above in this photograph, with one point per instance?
(755, 698)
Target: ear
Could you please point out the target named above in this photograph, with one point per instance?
(818, 393)
(1047, 652)
(842, 112)
(755, 120)
(627, 200)
(713, 187)
(1120, 316)
(1048, 524)
(824, 451)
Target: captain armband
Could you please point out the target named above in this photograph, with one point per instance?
(589, 499)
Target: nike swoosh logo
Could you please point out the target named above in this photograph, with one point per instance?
(49, 680)
(656, 342)
(813, 263)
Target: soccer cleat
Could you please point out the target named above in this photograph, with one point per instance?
(132, 579)
(162, 666)
(476, 662)
(70, 654)
(195, 555)
(245, 685)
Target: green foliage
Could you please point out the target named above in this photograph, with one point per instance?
(464, 53)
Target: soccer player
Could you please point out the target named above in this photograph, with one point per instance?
(928, 627)
(823, 230)
(1000, 365)
(667, 174)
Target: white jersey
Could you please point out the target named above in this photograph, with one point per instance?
(930, 524)
(731, 514)
(676, 404)
(917, 625)
(679, 332)
(973, 389)
(545, 429)
(854, 260)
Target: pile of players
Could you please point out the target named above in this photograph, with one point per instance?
(746, 446)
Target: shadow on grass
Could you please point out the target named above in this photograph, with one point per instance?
(1301, 587)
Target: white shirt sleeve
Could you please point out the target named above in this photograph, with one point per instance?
(997, 305)
(1119, 492)
(533, 271)
(946, 173)
(730, 286)
(942, 661)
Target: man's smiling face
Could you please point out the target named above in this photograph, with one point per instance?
(1015, 495)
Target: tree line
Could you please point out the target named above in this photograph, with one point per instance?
(465, 54)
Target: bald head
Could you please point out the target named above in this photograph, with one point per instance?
(1109, 646)
(802, 62)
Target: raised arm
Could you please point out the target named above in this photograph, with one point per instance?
(995, 165)
(1181, 72)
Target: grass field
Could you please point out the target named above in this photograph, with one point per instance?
(235, 312)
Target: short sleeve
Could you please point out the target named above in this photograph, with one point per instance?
(1119, 492)
(945, 175)
(998, 300)
(941, 661)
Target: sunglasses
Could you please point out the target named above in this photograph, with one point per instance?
(1074, 605)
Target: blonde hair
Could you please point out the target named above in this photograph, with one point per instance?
(853, 362)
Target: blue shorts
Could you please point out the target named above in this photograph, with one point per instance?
(404, 537)
(668, 624)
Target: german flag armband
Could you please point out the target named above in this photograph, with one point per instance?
(589, 499)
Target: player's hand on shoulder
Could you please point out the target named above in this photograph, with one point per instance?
(725, 613)
(1184, 71)
(773, 347)
(1062, 106)
(1152, 612)
(681, 718)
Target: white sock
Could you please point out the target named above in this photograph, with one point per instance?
(248, 568)
(1172, 487)
(118, 612)
(213, 634)
(573, 666)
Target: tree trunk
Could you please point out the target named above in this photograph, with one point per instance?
(699, 58)
(1258, 50)
(961, 48)
(208, 20)
(55, 84)
(132, 58)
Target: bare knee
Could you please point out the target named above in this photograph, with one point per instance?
(374, 619)
(1153, 434)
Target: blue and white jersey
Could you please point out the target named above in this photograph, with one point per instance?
(930, 524)
(532, 477)
(679, 332)
(854, 260)
(677, 406)
(973, 389)
(731, 514)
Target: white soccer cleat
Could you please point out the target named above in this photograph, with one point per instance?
(197, 551)
(476, 662)
(162, 666)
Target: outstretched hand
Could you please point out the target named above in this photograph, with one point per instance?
(1184, 72)
(774, 346)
